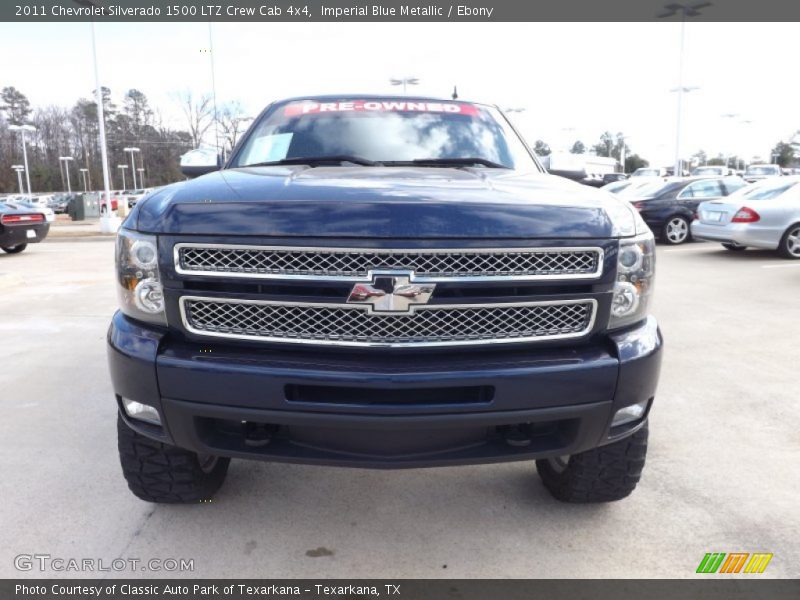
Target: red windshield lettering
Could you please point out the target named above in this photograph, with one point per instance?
(304, 108)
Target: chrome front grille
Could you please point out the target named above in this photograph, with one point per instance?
(435, 325)
(352, 264)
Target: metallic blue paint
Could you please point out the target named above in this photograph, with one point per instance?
(376, 202)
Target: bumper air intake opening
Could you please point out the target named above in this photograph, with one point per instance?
(324, 394)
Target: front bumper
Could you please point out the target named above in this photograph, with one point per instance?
(743, 234)
(385, 409)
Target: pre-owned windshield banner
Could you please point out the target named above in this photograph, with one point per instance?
(397, 10)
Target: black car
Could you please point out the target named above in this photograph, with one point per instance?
(611, 177)
(20, 226)
(668, 207)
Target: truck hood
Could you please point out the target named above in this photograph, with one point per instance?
(381, 202)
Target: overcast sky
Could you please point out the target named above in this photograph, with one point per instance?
(574, 80)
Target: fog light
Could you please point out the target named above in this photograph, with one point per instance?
(625, 300)
(630, 413)
(149, 296)
(142, 412)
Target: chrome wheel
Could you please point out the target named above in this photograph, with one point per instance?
(559, 463)
(793, 242)
(677, 230)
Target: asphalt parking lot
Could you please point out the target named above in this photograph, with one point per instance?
(722, 472)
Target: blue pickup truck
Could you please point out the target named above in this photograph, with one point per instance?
(382, 282)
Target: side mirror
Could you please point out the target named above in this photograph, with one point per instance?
(199, 162)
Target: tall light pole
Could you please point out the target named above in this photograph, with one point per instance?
(122, 170)
(213, 87)
(108, 222)
(746, 123)
(19, 169)
(404, 81)
(65, 160)
(729, 116)
(567, 134)
(681, 90)
(141, 175)
(83, 174)
(684, 10)
(622, 150)
(22, 130)
(102, 124)
(133, 164)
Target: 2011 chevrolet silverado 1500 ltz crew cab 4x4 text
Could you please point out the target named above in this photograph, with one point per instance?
(383, 282)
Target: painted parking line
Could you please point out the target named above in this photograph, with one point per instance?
(796, 264)
(689, 248)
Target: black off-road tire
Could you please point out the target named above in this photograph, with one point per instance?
(15, 249)
(603, 474)
(157, 472)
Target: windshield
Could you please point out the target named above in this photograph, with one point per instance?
(385, 131)
(762, 170)
(767, 192)
(645, 173)
(707, 171)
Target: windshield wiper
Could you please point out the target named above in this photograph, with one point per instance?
(314, 161)
(448, 162)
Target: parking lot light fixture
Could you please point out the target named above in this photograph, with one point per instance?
(65, 160)
(19, 169)
(133, 151)
(404, 81)
(83, 174)
(122, 170)
(23, 129)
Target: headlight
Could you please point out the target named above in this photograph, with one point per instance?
(636, 268)
(139, 288)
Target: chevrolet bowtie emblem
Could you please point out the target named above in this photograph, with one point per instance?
(391, 293)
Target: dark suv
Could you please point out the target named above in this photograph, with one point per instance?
(382, 282)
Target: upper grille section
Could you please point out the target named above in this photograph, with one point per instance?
(353, 264)
(355, 326)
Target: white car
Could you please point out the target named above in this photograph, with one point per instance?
(759, 172)
(762, 215)
(712, 171)
(649, 172)
(39, 203)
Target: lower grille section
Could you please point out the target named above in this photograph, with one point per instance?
(436, 325)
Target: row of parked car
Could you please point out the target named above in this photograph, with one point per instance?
(728, 209)
(754, 172)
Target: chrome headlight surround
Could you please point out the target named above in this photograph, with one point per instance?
(636, 268)
(139, 289)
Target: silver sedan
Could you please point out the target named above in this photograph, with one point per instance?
(762, 215)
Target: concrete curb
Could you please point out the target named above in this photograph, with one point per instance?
(88, 237)
(76, 234)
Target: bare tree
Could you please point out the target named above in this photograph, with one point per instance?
(199, 113)
(232, 122)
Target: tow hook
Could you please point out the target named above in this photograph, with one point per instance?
(257, 435)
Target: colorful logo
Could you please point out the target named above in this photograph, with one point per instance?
(735, 562)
